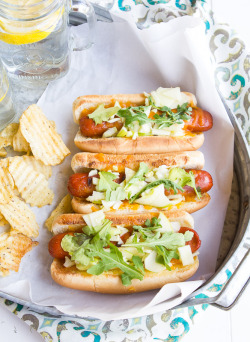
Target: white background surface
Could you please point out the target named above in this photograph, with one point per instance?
(213, 325)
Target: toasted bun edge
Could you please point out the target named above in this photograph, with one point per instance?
(110, 282)
(73, 222)
(85, 161)
(140, 145)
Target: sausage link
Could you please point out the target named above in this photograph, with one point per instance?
(200, 121)
(203, 182)
(195, 242)
(55, 248)
(89, 129)
(80, 185)
(120, 178)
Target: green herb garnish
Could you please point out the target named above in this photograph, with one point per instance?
(168, 184)
(132, 114)
(111, 260)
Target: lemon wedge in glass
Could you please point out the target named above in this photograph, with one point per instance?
(20, 28)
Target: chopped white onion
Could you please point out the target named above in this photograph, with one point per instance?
(93, 173)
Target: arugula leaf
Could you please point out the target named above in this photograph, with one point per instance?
(167, 117)
(164, 256)
(139, 175)
(155, 222)
(169, 240)
(146, 232)
(103, 114)
(168, 184)
(138, 263)
(106, 183)
(97, 269)
(126, 279)
(185, 109)
(136, 240)
(149, 227)
(111, 260)
(146, 228)
(131, 114)
(151, 101)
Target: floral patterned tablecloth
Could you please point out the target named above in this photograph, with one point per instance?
(232, 76)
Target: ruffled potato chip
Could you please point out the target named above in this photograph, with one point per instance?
(26, 176)
(20, 217)
(3, 238)
(4, 162)
(63, 207)
(15, 247)
(4, 272)
(32, 185)
(6, 135)
(38, 166)
(20, 144)
(3, 221)
(3, 152)
(45, 143)
(6, 185)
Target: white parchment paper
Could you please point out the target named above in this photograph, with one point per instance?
(127, 60)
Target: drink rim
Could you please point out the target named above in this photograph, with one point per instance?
(6, 8)
(3, 80)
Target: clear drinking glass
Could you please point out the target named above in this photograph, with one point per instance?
(35, 39)
(7, 113)
(106, 4)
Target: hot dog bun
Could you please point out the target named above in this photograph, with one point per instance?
(92, 101)
(85, 161)
(110, 282)
(142, 144)
(74, 222)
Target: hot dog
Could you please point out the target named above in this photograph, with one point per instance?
(139, 183)
(81, 185)
(166, 120)
(125, 254)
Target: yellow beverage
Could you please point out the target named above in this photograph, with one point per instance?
(7, 112)
(27, 32)
(34, 38)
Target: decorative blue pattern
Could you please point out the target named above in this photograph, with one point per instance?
(232, 77)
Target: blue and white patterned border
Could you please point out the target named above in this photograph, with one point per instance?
(232, 76)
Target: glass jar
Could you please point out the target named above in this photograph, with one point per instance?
(7, 112)
(34, 36)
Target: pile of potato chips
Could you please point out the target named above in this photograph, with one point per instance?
(24, 179)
